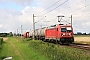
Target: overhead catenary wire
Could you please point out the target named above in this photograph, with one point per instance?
(54, 8)
(60, 5)
(65, 21)
(71, 12)
(69, 7)
(48, 8)
(84, 14)
(40, 19)
(77, 3)
(51, 6)
(80, 8)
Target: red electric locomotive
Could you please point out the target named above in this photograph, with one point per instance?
(60, 33)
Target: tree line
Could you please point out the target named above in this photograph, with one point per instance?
(11, 34)
(6, 34)
(80, 33)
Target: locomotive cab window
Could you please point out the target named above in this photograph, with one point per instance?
(69, 29)
(63, 29)
(66, 29)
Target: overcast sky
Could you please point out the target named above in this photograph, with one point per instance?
(14, 13)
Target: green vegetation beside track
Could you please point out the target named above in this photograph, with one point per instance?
(19, 50)
(57, 52)
(28, 49)
(1, 42)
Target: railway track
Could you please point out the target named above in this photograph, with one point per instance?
(80, 46)
(75, 45)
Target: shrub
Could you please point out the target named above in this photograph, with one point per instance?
(1, 40)
(27, 39)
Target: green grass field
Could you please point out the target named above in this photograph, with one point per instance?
(27, 49)
(19, 51)
(57, 52)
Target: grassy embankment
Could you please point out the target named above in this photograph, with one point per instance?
(19, 50)
(38, 50)
(1, 42)
(56, 52)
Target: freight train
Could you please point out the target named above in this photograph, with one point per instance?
(58, 33)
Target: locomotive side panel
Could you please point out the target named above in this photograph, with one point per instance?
(51, 33)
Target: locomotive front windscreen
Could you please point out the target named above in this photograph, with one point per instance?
(66, 29)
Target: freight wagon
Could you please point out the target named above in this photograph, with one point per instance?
(26, 35)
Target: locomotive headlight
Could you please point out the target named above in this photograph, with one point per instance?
(63, 34)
